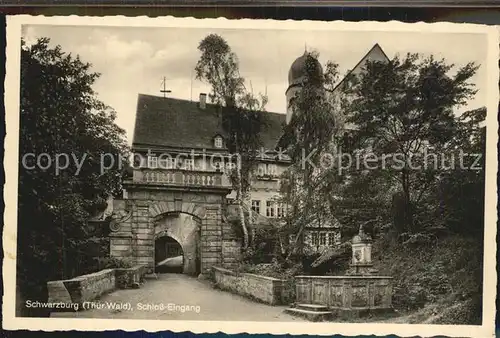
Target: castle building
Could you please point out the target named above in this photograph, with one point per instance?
(179, 187)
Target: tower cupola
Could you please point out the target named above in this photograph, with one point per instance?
(297, 76)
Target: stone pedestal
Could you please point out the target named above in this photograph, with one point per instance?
(361, 263)
(361, 270)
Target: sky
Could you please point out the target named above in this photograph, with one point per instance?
(134, 60)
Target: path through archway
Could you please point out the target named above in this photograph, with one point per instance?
(168, 255)
(178, 233)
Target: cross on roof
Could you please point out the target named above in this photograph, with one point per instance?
(165, 90)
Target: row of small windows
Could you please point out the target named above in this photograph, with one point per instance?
(267, 169)
(325, 238)
(170, 163)
(273, 209)
(154, 162)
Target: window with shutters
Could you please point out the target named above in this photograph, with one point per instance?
(256, 206)
(261, 169)
(322, 238)
(218, 165)
(165, 162)
(280, 210)
(331, 238)
(272, 169)
(314, 238)
(189, 164)
(270, 206)
(338, 237)
(152, 162)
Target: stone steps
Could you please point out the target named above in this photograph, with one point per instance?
(311, 315)
(312, 307)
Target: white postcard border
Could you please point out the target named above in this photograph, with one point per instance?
(12, 89)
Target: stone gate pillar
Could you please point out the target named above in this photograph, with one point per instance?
(231, 247)
(132, 233)
(120, 237)
(143, 235)
(211, 239)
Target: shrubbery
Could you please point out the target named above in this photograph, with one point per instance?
(113, 263)
(445, 272)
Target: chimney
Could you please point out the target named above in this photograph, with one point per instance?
(203, 100)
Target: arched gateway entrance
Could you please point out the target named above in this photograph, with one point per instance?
(146, 224)
(169, 256)
(177, 235)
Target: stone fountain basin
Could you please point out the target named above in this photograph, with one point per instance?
(346, 294)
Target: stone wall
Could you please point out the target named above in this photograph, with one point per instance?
(89, 287)
(82, 288)
(265, 289)
(129, 278)
(231, 253)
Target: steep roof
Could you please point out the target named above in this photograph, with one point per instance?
(376, 53)
(168, 122)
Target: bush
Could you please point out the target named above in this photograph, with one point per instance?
(333, 261)
(263, 247)
(113, 263)
(409, 297)
(446, 272)
(463, 312)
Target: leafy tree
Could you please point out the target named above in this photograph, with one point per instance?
(60, 117)
(404, 108)
(458, 195)
(308, 183)
(241, 112)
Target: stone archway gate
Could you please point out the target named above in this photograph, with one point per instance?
(134, 219)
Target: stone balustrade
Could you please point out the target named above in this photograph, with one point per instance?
(179, 177)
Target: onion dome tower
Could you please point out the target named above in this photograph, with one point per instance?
(297, 75)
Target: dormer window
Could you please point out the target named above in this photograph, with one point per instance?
(218, 142)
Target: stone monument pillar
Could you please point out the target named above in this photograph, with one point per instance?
(361, 263)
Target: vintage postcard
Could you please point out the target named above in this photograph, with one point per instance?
(255, 176)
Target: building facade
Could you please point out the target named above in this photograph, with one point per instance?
(179, 190)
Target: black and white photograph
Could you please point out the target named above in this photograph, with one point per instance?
(251, 176)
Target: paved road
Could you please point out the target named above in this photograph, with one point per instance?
(171, 262)
(201, 302)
